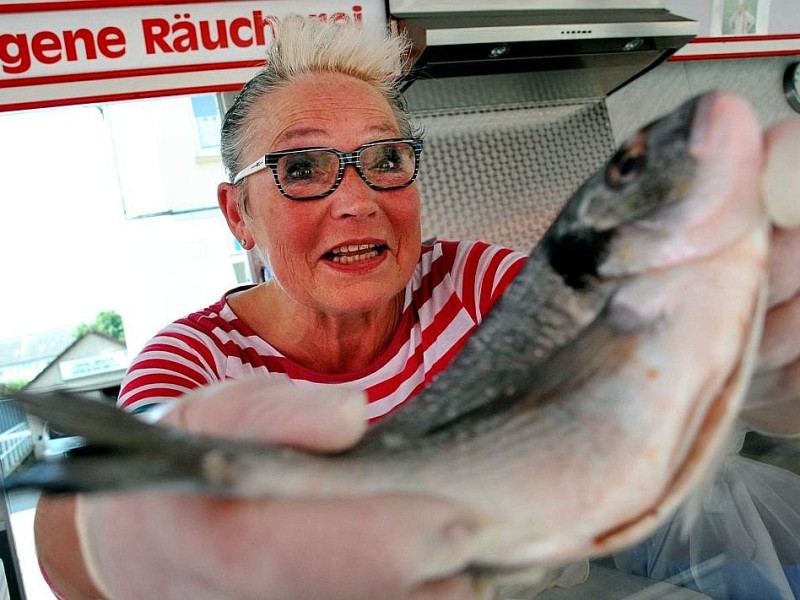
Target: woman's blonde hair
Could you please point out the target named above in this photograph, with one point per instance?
(307, 45)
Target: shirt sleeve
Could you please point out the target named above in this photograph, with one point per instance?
(180, 358)
(481, 273)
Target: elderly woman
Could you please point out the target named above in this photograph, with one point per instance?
(322, 161)
(322, 158)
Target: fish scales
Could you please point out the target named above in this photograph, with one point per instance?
(587, 404)
(558, 292)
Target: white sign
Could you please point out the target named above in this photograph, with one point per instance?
(55, 53)
(93, 365)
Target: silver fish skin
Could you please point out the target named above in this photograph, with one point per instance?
(584, 408)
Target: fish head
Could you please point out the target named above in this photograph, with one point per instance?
(679, 189)
(673, 232)
(684, 242)
(653, 168)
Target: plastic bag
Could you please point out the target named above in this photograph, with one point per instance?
(739, 540)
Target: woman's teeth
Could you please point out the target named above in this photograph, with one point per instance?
(352, 253)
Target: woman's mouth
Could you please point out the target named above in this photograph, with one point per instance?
(353, 253)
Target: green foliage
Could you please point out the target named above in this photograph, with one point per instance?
(110, 323)
(107, 322)
(16, 384)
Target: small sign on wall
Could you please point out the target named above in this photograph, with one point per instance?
(56, 53)
(740, 17)
(93, 365)
(739, 28)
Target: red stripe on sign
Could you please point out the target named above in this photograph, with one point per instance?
(123, 73)
(116, 97)
(745, 38)
(734, 54)
(25, 7)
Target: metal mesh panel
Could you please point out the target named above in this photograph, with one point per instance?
(503, 91)
(502, 175)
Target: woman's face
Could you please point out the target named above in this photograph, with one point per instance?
(380, 230)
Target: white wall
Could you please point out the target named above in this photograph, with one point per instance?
(758, 80)
(782, 16)
(68, 252)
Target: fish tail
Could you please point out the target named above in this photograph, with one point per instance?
(118, 451)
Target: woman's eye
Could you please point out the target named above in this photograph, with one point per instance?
(300, 173)
(300, 170)
(388, 160)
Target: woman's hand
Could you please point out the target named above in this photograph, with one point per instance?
(773, 401)
(170, 545)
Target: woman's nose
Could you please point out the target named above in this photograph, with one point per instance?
(353, 197)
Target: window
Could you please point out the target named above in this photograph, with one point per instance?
(167, 154)
(207, 123)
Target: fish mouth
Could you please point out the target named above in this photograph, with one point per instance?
(347, 254)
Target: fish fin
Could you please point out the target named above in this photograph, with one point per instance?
(119, 451)
(600, 346)
(510, 354)
(564, 369)
(100, 423)
(109, 472)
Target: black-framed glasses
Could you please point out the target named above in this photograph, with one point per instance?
(310, 173)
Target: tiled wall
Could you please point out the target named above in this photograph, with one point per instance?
(503, 153)
(502, 175)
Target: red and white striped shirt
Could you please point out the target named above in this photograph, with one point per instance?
(454, 286)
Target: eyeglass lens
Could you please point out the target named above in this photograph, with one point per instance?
(314, 172)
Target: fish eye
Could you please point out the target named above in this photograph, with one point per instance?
(627, 163)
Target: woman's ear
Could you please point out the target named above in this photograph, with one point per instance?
(232, 209)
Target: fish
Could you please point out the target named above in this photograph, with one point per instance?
(589, 403)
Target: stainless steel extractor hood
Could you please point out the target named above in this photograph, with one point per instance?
(613, 41)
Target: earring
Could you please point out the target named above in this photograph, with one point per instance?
(243, 242)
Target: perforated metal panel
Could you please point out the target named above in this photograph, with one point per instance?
(501, 175)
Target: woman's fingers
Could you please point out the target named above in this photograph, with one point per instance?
(380, 547)
(784, 264)
(773, 401)
(781, 177)
(267, 409)
(389, 546)
(780, 341)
